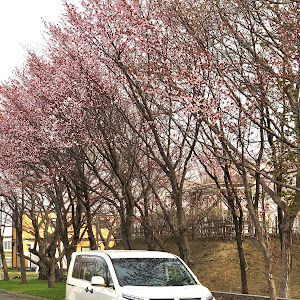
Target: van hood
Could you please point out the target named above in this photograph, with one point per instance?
(165, 292)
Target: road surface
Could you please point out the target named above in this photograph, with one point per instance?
(6, 295)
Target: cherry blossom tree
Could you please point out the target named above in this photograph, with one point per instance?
(254, 50)
(128, 89)
(110, 36)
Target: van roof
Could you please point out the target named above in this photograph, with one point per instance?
(129, 253)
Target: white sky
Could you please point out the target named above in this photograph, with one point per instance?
(21, 25)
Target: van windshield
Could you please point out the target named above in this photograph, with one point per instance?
(152, 272)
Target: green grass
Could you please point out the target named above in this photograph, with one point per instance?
(35, 287)
(12, 273)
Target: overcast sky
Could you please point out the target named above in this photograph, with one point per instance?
(21, 25)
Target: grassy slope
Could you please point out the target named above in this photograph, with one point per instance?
(220, 260)
(217, 265)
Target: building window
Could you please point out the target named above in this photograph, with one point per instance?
(7, 245)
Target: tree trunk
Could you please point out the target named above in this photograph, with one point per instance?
(51, 263)
(262, 237)
(70, 247)
(19, 241)
(3, 260)
(239, 242)
(93, 243)
(43, 271)
(51, 275)
(289, 213)
(126, 217)
(108, 239)
(126, 234)
(149, 236)
(279, 209)
(68, 252)
(149, 230)
(235, 205)
(286, 245)
(263, 242)
(88, 214)
(184, 248)
(242, 263)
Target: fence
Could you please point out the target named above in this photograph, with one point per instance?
(215, 228)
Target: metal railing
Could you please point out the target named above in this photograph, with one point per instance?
(234, 296)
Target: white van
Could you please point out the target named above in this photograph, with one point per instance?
(132, 275)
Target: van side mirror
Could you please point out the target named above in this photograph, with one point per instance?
(98, 281)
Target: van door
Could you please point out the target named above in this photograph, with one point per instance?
(83, 278)
(99, 292)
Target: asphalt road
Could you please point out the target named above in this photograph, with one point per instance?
(6, 295)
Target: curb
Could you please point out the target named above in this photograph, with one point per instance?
(25, 297)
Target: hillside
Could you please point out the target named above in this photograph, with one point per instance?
(217, 264)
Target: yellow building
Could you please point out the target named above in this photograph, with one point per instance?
(45, 228)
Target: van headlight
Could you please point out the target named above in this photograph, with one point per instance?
(129, 297)
(208, 297)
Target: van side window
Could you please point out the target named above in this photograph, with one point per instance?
(101, 269)
(76, 268)
(87, 268)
